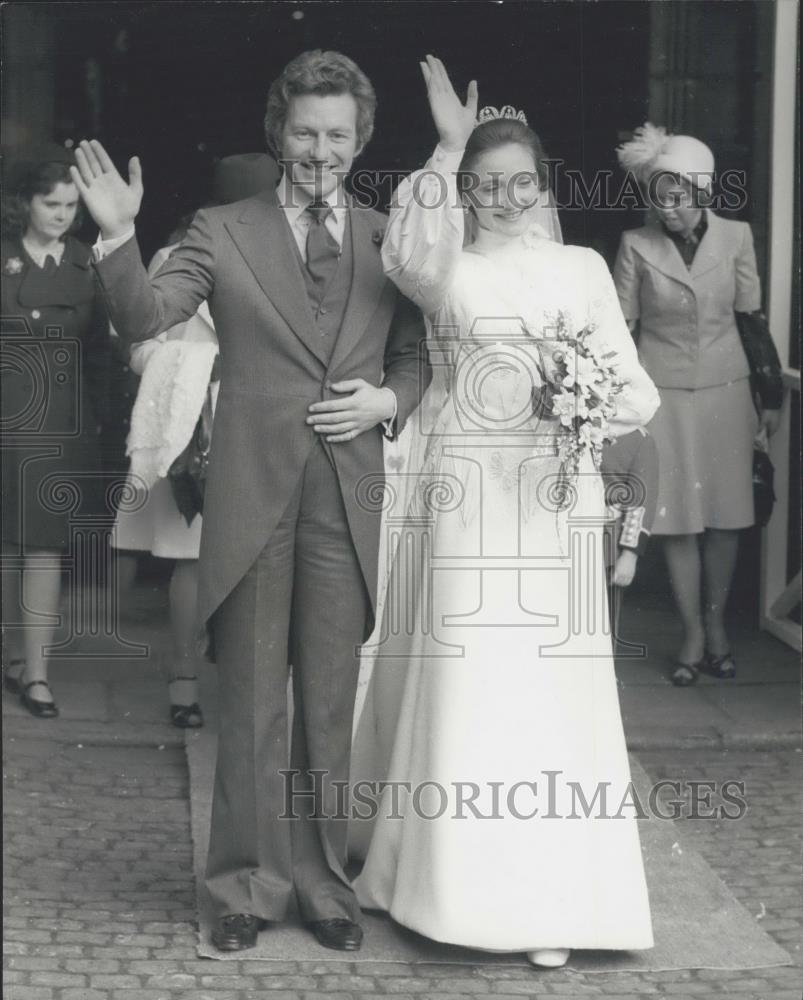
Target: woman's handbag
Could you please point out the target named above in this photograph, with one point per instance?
(187, 474)
(766, 385)
(763, 481)
(766, 379)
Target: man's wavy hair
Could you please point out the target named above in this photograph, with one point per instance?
(31, 179)
(323, 73)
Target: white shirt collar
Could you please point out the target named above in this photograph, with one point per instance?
(294, 201)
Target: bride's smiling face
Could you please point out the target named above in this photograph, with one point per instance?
(503, 189)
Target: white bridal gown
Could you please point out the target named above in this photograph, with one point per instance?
(493, 672)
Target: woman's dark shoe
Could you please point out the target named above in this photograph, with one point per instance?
(237, 931)
(340, 934)
(686, 674)
(37, 708)
(186, 716)
(723, 667)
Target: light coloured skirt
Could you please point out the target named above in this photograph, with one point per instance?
(489, 679)
(704, 439)
(158, 527)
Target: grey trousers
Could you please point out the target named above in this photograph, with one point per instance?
(303, 602)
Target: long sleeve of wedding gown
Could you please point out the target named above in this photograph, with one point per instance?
(424, 236)
(637, 402)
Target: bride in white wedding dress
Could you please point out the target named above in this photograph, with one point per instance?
(492, 707)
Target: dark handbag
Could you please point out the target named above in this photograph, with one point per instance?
(187, 474)
(763, 483)
(766, 380)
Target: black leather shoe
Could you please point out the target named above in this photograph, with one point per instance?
(340, 934)
(723, 667)
(237, 931)
(187, 716)
(37, 708)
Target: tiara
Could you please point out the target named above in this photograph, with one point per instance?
(489, 114)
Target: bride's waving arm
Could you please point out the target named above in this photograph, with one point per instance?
(637, 402)
(425, 232)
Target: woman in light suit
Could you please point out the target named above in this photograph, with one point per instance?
(684, 279)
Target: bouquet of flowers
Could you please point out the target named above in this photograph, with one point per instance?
(580, 384)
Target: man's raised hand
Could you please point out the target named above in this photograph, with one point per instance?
(112, 202)
(454, 120)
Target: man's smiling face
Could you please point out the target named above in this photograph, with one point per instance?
(319, 141)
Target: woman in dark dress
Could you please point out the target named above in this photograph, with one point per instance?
(55, 347)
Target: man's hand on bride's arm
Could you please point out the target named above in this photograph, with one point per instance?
(454, 121)
(361, 407)
(112, 202)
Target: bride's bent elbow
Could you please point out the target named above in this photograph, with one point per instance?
(652, 404)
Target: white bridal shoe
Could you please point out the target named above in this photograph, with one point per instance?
(549, 958)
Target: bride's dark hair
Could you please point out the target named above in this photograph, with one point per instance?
(502, 132)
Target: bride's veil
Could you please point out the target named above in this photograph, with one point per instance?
(546, 220)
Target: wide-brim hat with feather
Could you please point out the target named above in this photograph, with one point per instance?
(652, 150)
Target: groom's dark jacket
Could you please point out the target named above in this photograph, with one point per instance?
(242, 259)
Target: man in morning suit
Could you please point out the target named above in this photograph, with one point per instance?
(318, 353)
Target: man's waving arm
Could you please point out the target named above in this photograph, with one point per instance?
(139, 308)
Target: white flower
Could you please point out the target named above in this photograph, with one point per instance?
(591, 436)
(14, 265)
(582, 371)
(566, 406)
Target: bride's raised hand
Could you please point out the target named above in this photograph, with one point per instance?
(454, 120)
(112, 202)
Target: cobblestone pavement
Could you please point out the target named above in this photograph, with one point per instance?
(99, 893)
